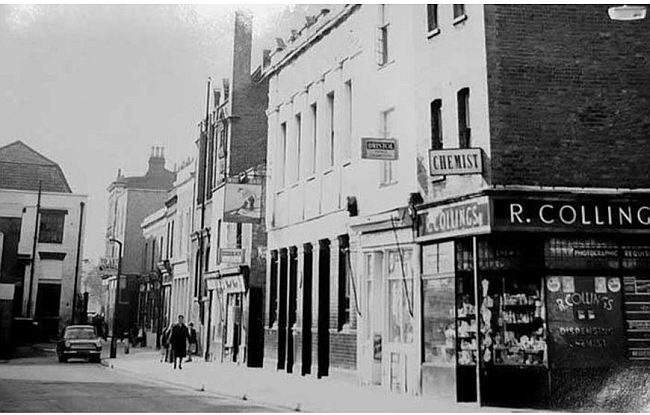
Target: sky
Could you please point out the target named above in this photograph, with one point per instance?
(94, 87)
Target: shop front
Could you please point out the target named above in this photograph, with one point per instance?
(229, 315)
(563, 295)
(388, 352)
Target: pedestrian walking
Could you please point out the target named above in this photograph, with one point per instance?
(193, 342)
(164, 342)
(178, 341)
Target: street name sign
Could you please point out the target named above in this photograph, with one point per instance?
(379, 148)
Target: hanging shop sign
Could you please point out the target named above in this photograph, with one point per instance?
(585, 321)
(592, 214)
(379, 148)
(455, 219)
(455, 161)
(231, 284)
(243, 203)
(231, 255)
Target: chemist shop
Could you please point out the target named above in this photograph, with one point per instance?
(563, 283)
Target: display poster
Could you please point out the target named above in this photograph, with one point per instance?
(242, 202)
(585, 321)
(637, 317)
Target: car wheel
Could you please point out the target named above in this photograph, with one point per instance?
(63, 359)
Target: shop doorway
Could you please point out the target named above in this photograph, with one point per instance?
(293, 304)
(306, 309)
(373, 316)
(323, 308)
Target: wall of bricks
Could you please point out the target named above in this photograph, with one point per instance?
(569, 92)
(343, 350)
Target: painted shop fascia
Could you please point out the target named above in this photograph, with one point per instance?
(563, 277)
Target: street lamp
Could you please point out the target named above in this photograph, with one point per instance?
(627, 13)
(113, 352)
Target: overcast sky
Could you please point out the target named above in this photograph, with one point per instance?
(93, 87)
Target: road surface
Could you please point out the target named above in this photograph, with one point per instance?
(36, 382)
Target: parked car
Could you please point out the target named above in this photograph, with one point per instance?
(79, 341)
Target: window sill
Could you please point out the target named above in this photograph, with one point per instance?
(385, 65)
(459, 19)
(433, 33)
(328, 171)
(347, 163)
(388, 184)
(310, 178)
(279, 192)
(296, 184)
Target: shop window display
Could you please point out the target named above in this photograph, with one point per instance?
(512, 321)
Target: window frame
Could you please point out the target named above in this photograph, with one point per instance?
(52, 236)
(464, 125)
(433, 26)
(435, 117)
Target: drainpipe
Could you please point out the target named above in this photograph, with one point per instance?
(31, 270)
(76, 271)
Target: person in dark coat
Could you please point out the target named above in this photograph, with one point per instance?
(178, 341)
(194, 349)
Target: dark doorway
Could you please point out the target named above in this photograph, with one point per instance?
(48, 299)
(323, 308)
(293, 305)
(282, 311)
(255, 327)
(306, 309)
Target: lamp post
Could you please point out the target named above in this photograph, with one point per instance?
(113, 352)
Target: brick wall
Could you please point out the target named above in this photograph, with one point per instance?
(569, 92)
(343, 350)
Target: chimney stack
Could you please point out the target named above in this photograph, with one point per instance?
(156, 160)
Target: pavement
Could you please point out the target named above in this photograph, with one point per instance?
(337, 393)
(34, 381)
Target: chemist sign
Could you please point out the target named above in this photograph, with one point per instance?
(379, 148)
(455, 161)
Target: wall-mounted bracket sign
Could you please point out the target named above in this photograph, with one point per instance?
(231, 255)
(455, 161)
(379, 148)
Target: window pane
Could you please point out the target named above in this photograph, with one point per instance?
(459, 10)
(436, 124)
(432, 17)
(51, 227)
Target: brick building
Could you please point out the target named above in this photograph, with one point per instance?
(41, 241)
(520, 176)
(229, 238)
(130, 200)
(552, 100)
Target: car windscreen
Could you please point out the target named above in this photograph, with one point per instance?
(81, 334)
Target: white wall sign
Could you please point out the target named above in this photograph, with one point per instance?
(379, 148)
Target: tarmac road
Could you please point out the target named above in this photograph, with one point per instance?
(38, 383)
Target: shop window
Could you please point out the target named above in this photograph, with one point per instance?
(400, 297)
(439, 323)
(435, 109)
(464, 130)
(51, 226)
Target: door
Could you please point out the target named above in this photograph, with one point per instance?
(282, 311)
(373, 317)
(399, 345)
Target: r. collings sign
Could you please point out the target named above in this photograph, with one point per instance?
(596, 213)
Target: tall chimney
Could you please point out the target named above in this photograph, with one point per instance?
(241, 59)
(156, 161)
